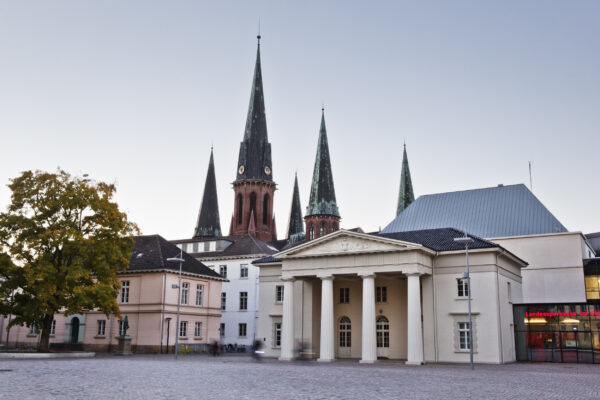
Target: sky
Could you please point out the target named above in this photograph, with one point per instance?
(135, 93)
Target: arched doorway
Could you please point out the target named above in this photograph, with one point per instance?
(383, 337)
(74, 330)
(345, 338)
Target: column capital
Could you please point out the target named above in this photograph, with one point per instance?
(289, 279)
(418, 274)
(325, 277)
(367, 275)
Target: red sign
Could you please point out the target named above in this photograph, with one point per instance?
(563, 314)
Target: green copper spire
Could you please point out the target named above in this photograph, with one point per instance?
(296, 226)
(406, 195)
(322, 193)
(254, 160)
(208, 219)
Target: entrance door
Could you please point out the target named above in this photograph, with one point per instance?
(383, 337)
(345, 336)
(74, 330)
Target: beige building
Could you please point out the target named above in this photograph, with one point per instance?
(148, 297)
(397, 296)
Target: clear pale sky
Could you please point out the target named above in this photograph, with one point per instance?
(136, 92)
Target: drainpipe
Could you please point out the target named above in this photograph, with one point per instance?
(162, 314)
(110, 333)
(499, 310)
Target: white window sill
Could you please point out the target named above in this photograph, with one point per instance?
(100, 337)
(463, 352)
(183, 338)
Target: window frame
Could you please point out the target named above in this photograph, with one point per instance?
(243, 301)
(101, 328)
(53, 328)
(279, 293)
(223, 271)
(124, 295)
(199, 294)
(243, 271)
(242, 330)
(462, 288)
(381, 294)
(277, 335)
(344, 295)
(222, 330)
(223, 301)
(185, 293)
(198, 330)
(183, 325)
(464, 343)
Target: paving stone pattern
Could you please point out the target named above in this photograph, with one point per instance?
(236, 377)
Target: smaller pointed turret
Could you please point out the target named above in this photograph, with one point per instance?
(296, 225)
(406, 194)
(322, 214)
(208, 224)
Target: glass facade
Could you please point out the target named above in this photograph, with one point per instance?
(558, 332)
(591, 271)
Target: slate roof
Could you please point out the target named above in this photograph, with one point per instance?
(150, 253)
(441, 239)
(490, 212)
(240, 245)
(296, 224)
(322, 192)
(255, 149)
(209, 224)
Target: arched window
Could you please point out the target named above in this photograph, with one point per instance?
(383, 332)
(345, 332)
(252, 207)
(311, 232)
(240, 203)
(323, 229)
(265, 210)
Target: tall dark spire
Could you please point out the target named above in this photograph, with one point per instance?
(322, 192)
(208, 219)
(296, 226)
(406, 194)
(254, 160)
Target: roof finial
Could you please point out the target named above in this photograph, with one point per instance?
(323, 107)
(258, 36)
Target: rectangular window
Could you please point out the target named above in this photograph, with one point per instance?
(198, 330)
(278, 294)
(243, 271)
(242, 330)
(53, 328)
(185, 290)
(121, 328)
(101, 328)
(222, 330)
(463, 287)
(243, 301)
(124, 292)
(182, 328)
(32, 330)
(344, 295)
(223, 301)
(277, 334)
(381, 294)
(463, 336)
(199, 294)
(223, 271)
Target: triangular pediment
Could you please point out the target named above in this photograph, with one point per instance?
(345, 242)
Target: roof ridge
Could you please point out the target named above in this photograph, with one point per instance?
(475, 189)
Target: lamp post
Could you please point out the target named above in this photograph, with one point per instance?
(168, 319)
(466, 240)
(178, 287)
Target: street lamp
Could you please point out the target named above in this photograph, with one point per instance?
(178, 287)
(466, 240)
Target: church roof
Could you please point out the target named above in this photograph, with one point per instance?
(296, 225)
(255, 150)
(406, 195)
(208, 224)
(322, 192)
(500, 211)
(150, 254)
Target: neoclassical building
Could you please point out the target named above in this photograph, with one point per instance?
(393, 296)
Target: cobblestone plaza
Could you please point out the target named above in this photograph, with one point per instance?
(235, 377)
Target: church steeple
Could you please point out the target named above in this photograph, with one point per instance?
(208, 224)
(322, 214)
(406, 195)
(254, 187)
(296, 226)
(254, 161)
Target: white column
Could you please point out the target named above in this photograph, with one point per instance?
(415, 330)
(287, 323)
(326, 351)
(369, 343)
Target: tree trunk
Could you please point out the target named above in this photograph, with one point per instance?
(45, 338)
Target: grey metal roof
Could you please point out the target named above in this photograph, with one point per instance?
(500, 211)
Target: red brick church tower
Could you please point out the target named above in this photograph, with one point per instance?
(254, 187)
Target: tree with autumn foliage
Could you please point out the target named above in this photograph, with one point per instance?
(62, 241)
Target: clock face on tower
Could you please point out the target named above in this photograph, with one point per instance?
(267, 170)
(241, 170)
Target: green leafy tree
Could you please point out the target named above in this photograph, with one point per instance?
(62, 241)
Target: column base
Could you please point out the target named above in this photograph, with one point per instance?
(367, 361)
(415, 363)
(324, 360)
(286, 358)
